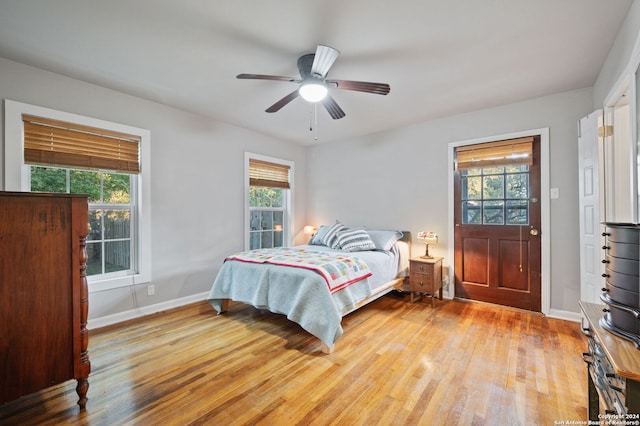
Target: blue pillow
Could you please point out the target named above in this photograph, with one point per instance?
(384, 240)
(317, 238)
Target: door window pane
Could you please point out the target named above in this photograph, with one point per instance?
(517, 185)
(472, 212)
(493, 187)
(472, 188)
(517, 212)
(493, 213)
(495, 196)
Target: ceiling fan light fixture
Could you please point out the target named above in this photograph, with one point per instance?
(313, 85)
(313, 91)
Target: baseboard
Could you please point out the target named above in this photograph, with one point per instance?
(565, 315)
(142, 311)
(553, 313)
(175, 303)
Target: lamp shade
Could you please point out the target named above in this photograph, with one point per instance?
(428, 237)
(309, 230)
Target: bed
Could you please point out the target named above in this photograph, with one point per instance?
(295, 287)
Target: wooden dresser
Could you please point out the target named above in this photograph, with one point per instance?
(613, 371)
(43, 293)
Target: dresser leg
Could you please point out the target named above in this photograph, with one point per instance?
(81, 389)
(593, 408)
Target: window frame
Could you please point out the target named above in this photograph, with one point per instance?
(288, 199)
(18, 178)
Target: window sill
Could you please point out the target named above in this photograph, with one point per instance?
(97, 285)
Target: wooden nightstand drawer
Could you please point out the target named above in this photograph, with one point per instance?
(420, 285)
(421, 268)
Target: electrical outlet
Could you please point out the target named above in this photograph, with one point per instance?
(151, 290)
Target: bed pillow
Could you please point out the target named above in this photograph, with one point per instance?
(317, 238)
(330, 238)
(354, 239)
(384, 240)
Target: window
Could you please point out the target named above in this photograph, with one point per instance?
(495, 196)
(53, 151)
(495, 182)
(268, 201)
(111, 209)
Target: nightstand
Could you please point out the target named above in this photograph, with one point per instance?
(425, 276)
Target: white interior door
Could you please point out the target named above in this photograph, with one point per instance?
(590, 152)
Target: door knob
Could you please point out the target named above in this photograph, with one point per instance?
(533, 231)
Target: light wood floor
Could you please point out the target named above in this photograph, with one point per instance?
(458, 363)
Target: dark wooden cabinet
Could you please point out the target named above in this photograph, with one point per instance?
(43, 293)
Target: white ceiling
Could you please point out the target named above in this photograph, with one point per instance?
(441, 57)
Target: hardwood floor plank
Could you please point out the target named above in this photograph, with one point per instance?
(397, 363)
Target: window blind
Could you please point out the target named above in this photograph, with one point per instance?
(500, 153)
(267, 174)
(58, 143)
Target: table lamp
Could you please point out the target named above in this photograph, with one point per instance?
(427, 238)
(309, 230)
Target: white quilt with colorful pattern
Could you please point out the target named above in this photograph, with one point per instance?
(338, 270)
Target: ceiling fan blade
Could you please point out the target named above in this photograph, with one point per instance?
(333, 108)
(267, 77)
(282, 102)
(361, 86)
(324, 58)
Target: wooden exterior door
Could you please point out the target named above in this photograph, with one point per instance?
(497, 229)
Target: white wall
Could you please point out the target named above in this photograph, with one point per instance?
(398, 178)
(617, 77)
(618, 60)
(197, 181)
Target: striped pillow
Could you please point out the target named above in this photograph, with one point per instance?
(330, 238)
(354, 240)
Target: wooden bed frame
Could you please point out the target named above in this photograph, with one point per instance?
(388, 287)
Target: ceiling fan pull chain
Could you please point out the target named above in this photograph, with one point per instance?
(315, 111)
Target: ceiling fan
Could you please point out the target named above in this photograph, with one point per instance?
(314, 85)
